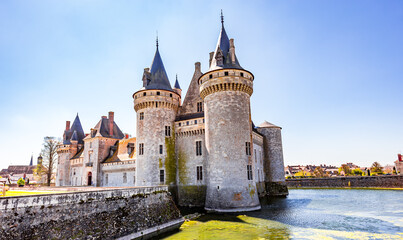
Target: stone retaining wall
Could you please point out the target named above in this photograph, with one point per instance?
(104, 214)
(373, 181)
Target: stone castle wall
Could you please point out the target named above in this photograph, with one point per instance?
(364, 181)
(191, 192)
(104, 214)
(159, 111)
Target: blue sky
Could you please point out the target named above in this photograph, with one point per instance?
(328, 72)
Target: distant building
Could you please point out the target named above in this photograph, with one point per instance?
(399, 164)
(15, 172)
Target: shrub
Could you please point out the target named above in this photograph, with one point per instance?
(21, 182)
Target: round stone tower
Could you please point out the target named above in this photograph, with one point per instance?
(156, 105)
(274, 163)
(226, 89)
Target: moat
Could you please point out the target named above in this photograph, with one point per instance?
(309, 214)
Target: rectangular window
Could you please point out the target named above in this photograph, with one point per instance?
(199, 107)
(158, 93)
(210, 76)
(161, 149)
(247, 144)
(180, 124)
(241, 74)
(124, 177)
(144, 94)
(187, 123)
(249, 170)
(170, 94)
(226, 73)
(141, 148)
(195, 121)
(106, 179)
(198, 148)
(167, 131)
(134, 180)
(156, 104)
(162, 176)
(199, 172)
(141, 115)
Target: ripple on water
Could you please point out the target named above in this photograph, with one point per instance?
(309, 214)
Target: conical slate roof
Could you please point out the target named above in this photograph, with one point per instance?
(74, 136)
(222, 50)
(177, 83)
(266, 124)
(76, 127)
(159, 78)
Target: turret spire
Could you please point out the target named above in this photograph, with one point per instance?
(157, 40)
(222, 19)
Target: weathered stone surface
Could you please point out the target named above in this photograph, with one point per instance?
(273, 153)
(276, 189)
(106, 214)
(228, 129)
(365, 181)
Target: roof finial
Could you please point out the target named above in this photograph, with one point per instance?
(157, 40)
(222, 18)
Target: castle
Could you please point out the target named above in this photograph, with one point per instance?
(206, 148)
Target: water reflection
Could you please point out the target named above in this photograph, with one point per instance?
(309, 214)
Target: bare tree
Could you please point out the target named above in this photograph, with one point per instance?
(49, 154)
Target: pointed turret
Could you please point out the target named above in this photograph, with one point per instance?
(158, 78)
(74, 137)
(32, 161)
(76, 127)
(177, 83)
(224, 54)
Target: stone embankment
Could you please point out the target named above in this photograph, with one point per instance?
(124, 213)
(391, 181)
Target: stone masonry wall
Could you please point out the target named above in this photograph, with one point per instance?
(105, 214)
(228, 128)
(191, 192)
(365, 181)
(273, 153)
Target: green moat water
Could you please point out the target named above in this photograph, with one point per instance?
(308, 214)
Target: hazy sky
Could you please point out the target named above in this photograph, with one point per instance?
(329, 72)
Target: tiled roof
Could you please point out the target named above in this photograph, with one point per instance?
(78, 154)
(79, 131)
(102, 128)
(120, 151)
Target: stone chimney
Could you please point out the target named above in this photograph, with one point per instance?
(111, 120)
(232, 50)
(67, 125)
(211, 58)
(197, 67)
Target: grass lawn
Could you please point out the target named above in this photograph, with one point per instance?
(12, 193)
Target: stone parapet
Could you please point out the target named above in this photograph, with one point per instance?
(226, 80)
(104, 214)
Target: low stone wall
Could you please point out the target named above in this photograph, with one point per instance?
(104, 214)
(392, 181)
